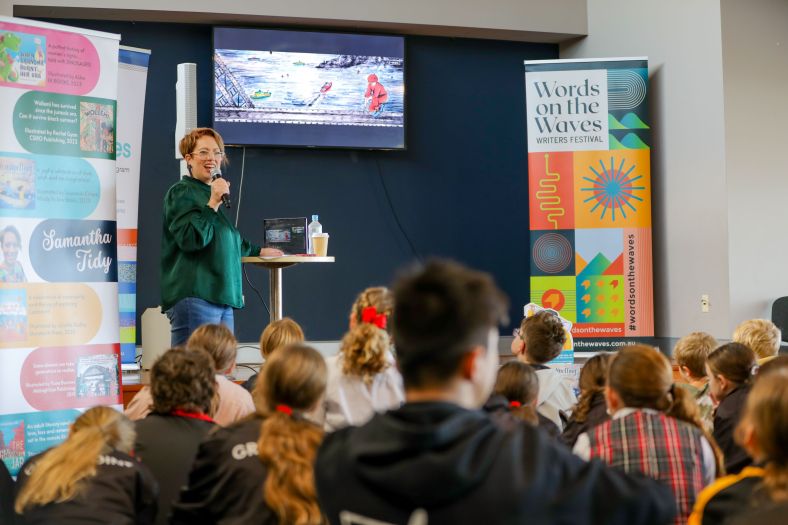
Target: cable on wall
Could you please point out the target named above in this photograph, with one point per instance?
(237, 216)
(394, 212)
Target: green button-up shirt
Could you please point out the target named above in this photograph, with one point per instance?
(200, 249)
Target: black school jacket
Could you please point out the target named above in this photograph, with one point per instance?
(123, 492)
(726, 417)
(226, 481)
(498, 407)
(597, 414)
(461, 466)
(167, 445)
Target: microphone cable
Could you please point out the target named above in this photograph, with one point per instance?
(237, 215)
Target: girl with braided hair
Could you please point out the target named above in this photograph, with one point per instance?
(591, 408)
(362, 377)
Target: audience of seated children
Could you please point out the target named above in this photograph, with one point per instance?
(541, 338)
(690, 356)
(260, 470)
(363, 378)
(88, 478)
(183, 386)
(655, 428)
(591, 408)
(438, 459)
(234, 402)
(279, 333)
(515, 392)
(761, 336)
(763, 432)
(730, 369)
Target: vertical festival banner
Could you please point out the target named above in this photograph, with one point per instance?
(132, 81)
(590, 196)
(59, 347)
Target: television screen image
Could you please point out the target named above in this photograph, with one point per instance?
(292, 88)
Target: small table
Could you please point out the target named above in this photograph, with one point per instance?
(275, 265)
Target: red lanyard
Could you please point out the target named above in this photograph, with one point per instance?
(194, 415)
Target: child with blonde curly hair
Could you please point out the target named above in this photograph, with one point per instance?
(362, 377)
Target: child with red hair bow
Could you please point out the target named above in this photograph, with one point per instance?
(362, 377)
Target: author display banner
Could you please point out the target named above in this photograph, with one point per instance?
(132, 80)
(589, 183)
(59, 331)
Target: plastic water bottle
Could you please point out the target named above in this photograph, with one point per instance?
(313, 228)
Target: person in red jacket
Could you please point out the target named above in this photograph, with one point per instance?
(375, 95)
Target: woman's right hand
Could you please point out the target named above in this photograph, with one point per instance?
(219, 187)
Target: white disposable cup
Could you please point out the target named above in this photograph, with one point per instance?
(320, 244)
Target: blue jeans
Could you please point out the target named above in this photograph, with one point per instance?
(191, 312)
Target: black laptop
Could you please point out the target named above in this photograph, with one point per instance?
(288, 235)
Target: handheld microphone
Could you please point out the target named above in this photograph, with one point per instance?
(216, 173)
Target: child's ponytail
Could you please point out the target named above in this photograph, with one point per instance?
(681, 405)
(292, 382)
(60, 474)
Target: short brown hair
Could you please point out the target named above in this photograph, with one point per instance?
(278, 334)
(692, 350)
(183, 379)
(441, 312)
(544, 336)
(189, 141)
(762, 336)
(218, 341)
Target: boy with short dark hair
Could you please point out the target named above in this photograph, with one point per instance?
(439, 459)
(541, 338)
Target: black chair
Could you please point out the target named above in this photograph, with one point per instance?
(780, 316)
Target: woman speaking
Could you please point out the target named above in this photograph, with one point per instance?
(200, 248)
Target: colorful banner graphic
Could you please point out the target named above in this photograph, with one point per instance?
(59, 332)
(589, 182)
(132, 80)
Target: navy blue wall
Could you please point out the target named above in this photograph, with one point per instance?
(459, 191)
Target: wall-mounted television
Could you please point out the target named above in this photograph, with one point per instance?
(309, 89)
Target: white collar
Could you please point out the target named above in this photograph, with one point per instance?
(624, 412)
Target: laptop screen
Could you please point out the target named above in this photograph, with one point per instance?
(288, 235)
